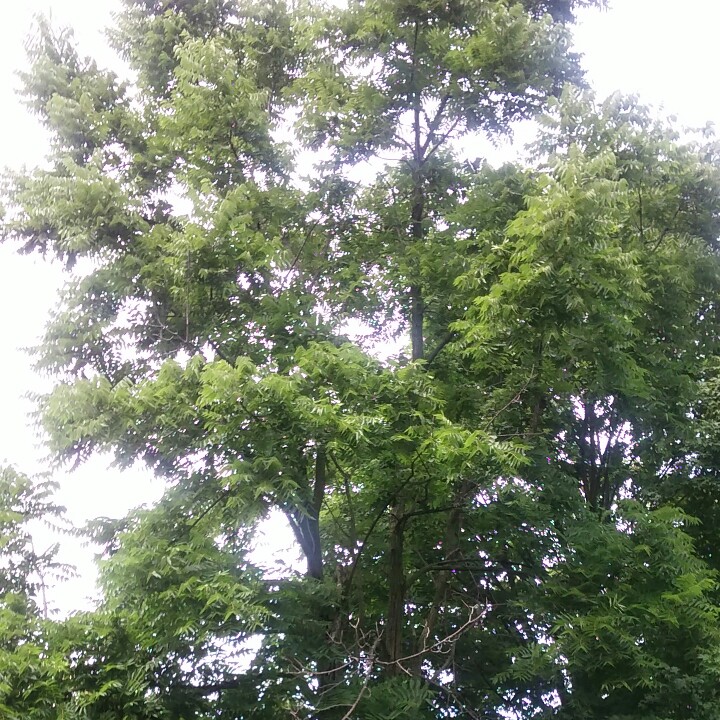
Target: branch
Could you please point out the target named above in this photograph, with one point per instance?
(444, 341)
(403, 142)
(442, 138)
(320, 480)
(366, 680)
(515, 399)
(356, 559)
(308, 235)
(432, 511)
(229, 684)
(348, 495)
(471, 622)
(336, 520)
(435, 124)
(223, 496)
(667, 229)
(454, 697)
(297, 529)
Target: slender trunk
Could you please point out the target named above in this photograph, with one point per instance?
(307, 533)
(315, 559)
(417, 312)
(589, 455)
(417, 306)
(305, 522)
(451, 544)
(396, 570)
(396, 583)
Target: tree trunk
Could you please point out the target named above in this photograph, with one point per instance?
(396, 583)
(305, 522)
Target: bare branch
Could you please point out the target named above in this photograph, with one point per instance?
(366, 680)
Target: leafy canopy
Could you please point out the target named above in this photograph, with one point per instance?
(515, 516)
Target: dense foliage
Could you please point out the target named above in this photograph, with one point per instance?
(514, 516)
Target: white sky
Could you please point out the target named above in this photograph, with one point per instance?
(667, 52)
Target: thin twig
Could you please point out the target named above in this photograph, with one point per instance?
(515, 399)
(308, 235)
(443, 641)
(366, 680)
(356, 559)
(435, 123)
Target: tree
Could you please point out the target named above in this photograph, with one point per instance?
(31, 668)
(515, 518)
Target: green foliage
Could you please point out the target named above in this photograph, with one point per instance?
(32, 668)
(516, 515)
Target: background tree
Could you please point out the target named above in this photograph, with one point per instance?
(32, 668)
(502, 521)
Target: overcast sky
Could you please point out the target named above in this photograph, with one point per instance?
(665, 51)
